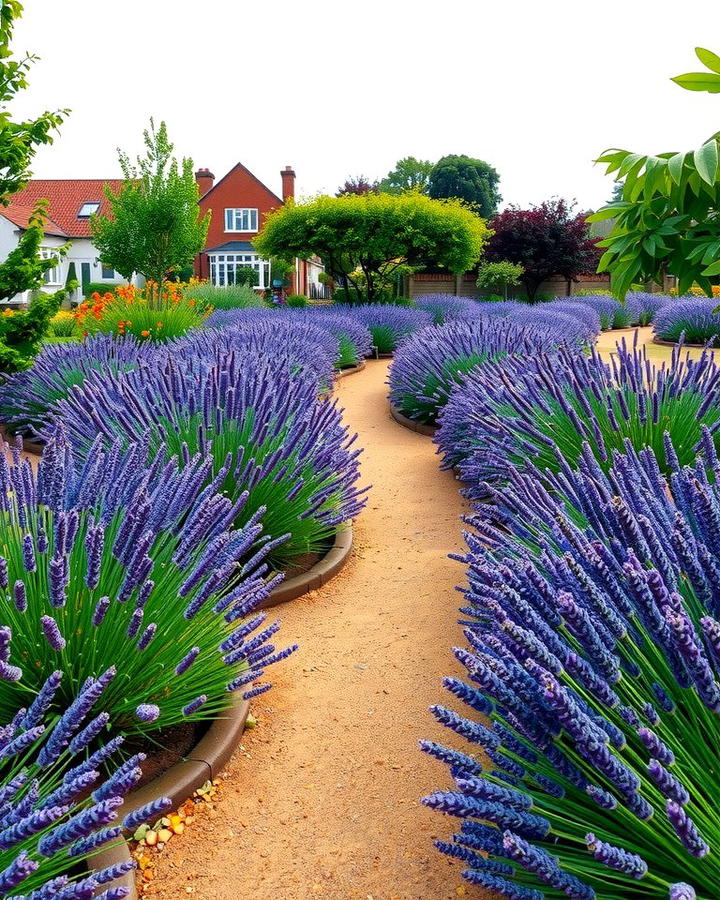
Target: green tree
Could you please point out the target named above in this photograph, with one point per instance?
(155, 225)
(497, 277)
(667, 219)
(18, 140)
(409, 174)
(366, 241)
(463, 178)
(24, 269)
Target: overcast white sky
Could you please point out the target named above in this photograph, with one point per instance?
(538, 88)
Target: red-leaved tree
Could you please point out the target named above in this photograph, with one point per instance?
(358, 184)
(549, 239)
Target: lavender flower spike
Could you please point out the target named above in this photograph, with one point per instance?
(52, 633)
(147, 813)
(616, 858)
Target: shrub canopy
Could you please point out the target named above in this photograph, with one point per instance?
(367, 240)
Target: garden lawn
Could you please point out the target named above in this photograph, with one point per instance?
(322, 798)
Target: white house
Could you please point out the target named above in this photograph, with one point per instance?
(71, 202)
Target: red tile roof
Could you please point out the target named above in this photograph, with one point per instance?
(20, 215)
(65, 197)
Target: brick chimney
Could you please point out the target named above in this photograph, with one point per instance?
(288, 183)
(205, 180)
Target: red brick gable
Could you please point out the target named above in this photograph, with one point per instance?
(238, 189)
(65, 197)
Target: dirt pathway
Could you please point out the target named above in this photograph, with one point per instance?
(322, 799)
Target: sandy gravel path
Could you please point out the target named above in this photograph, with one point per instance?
(322, 800)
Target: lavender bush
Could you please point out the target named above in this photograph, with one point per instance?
(448, 308)
(430, 363)
(306, 348)
(643, 307)
(577, 309)
(26, 397)
(499, 308)
(57, 809)
(353, 336)
(573, 327)
(613, 314)
(594, 659)
(387, 322)
(692, 318)
(113, 563)
(542, 409)
(275, 449)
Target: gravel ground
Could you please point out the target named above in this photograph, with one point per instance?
(321, 801)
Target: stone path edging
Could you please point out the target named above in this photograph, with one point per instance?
(418, 427)
(203, 763)
(323, 570)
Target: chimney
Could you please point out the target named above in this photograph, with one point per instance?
(205, 180)
(288, 183)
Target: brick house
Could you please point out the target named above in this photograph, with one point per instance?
(238, 205)
(71, 203)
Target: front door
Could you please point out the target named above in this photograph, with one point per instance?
(85, 276)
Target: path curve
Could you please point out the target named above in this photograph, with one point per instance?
(322, 799)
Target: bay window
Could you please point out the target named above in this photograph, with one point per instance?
(224, 265)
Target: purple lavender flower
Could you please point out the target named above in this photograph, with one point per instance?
(187, 660)
(28, 552)
(194, 705)
(52, 633)
(616, 858)
(147, 813)
(147, 712)
(681, 891)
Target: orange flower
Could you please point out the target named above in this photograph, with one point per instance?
(159, 324)
(145, 333)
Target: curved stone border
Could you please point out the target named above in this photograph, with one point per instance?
(418, 427)
(204, 763)
(351, 370)
(663, 343)
(318, 575)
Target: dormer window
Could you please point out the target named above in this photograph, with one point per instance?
(88, 209)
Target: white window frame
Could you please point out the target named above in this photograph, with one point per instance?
(237, 217)
(51, 276)
(221, 264)
(103, 276)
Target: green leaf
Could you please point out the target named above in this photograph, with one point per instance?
(607, 212)
(630, 162)
(675, 165)
(706, 161)
(708, 58)
(699, 81)
(713, 269)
